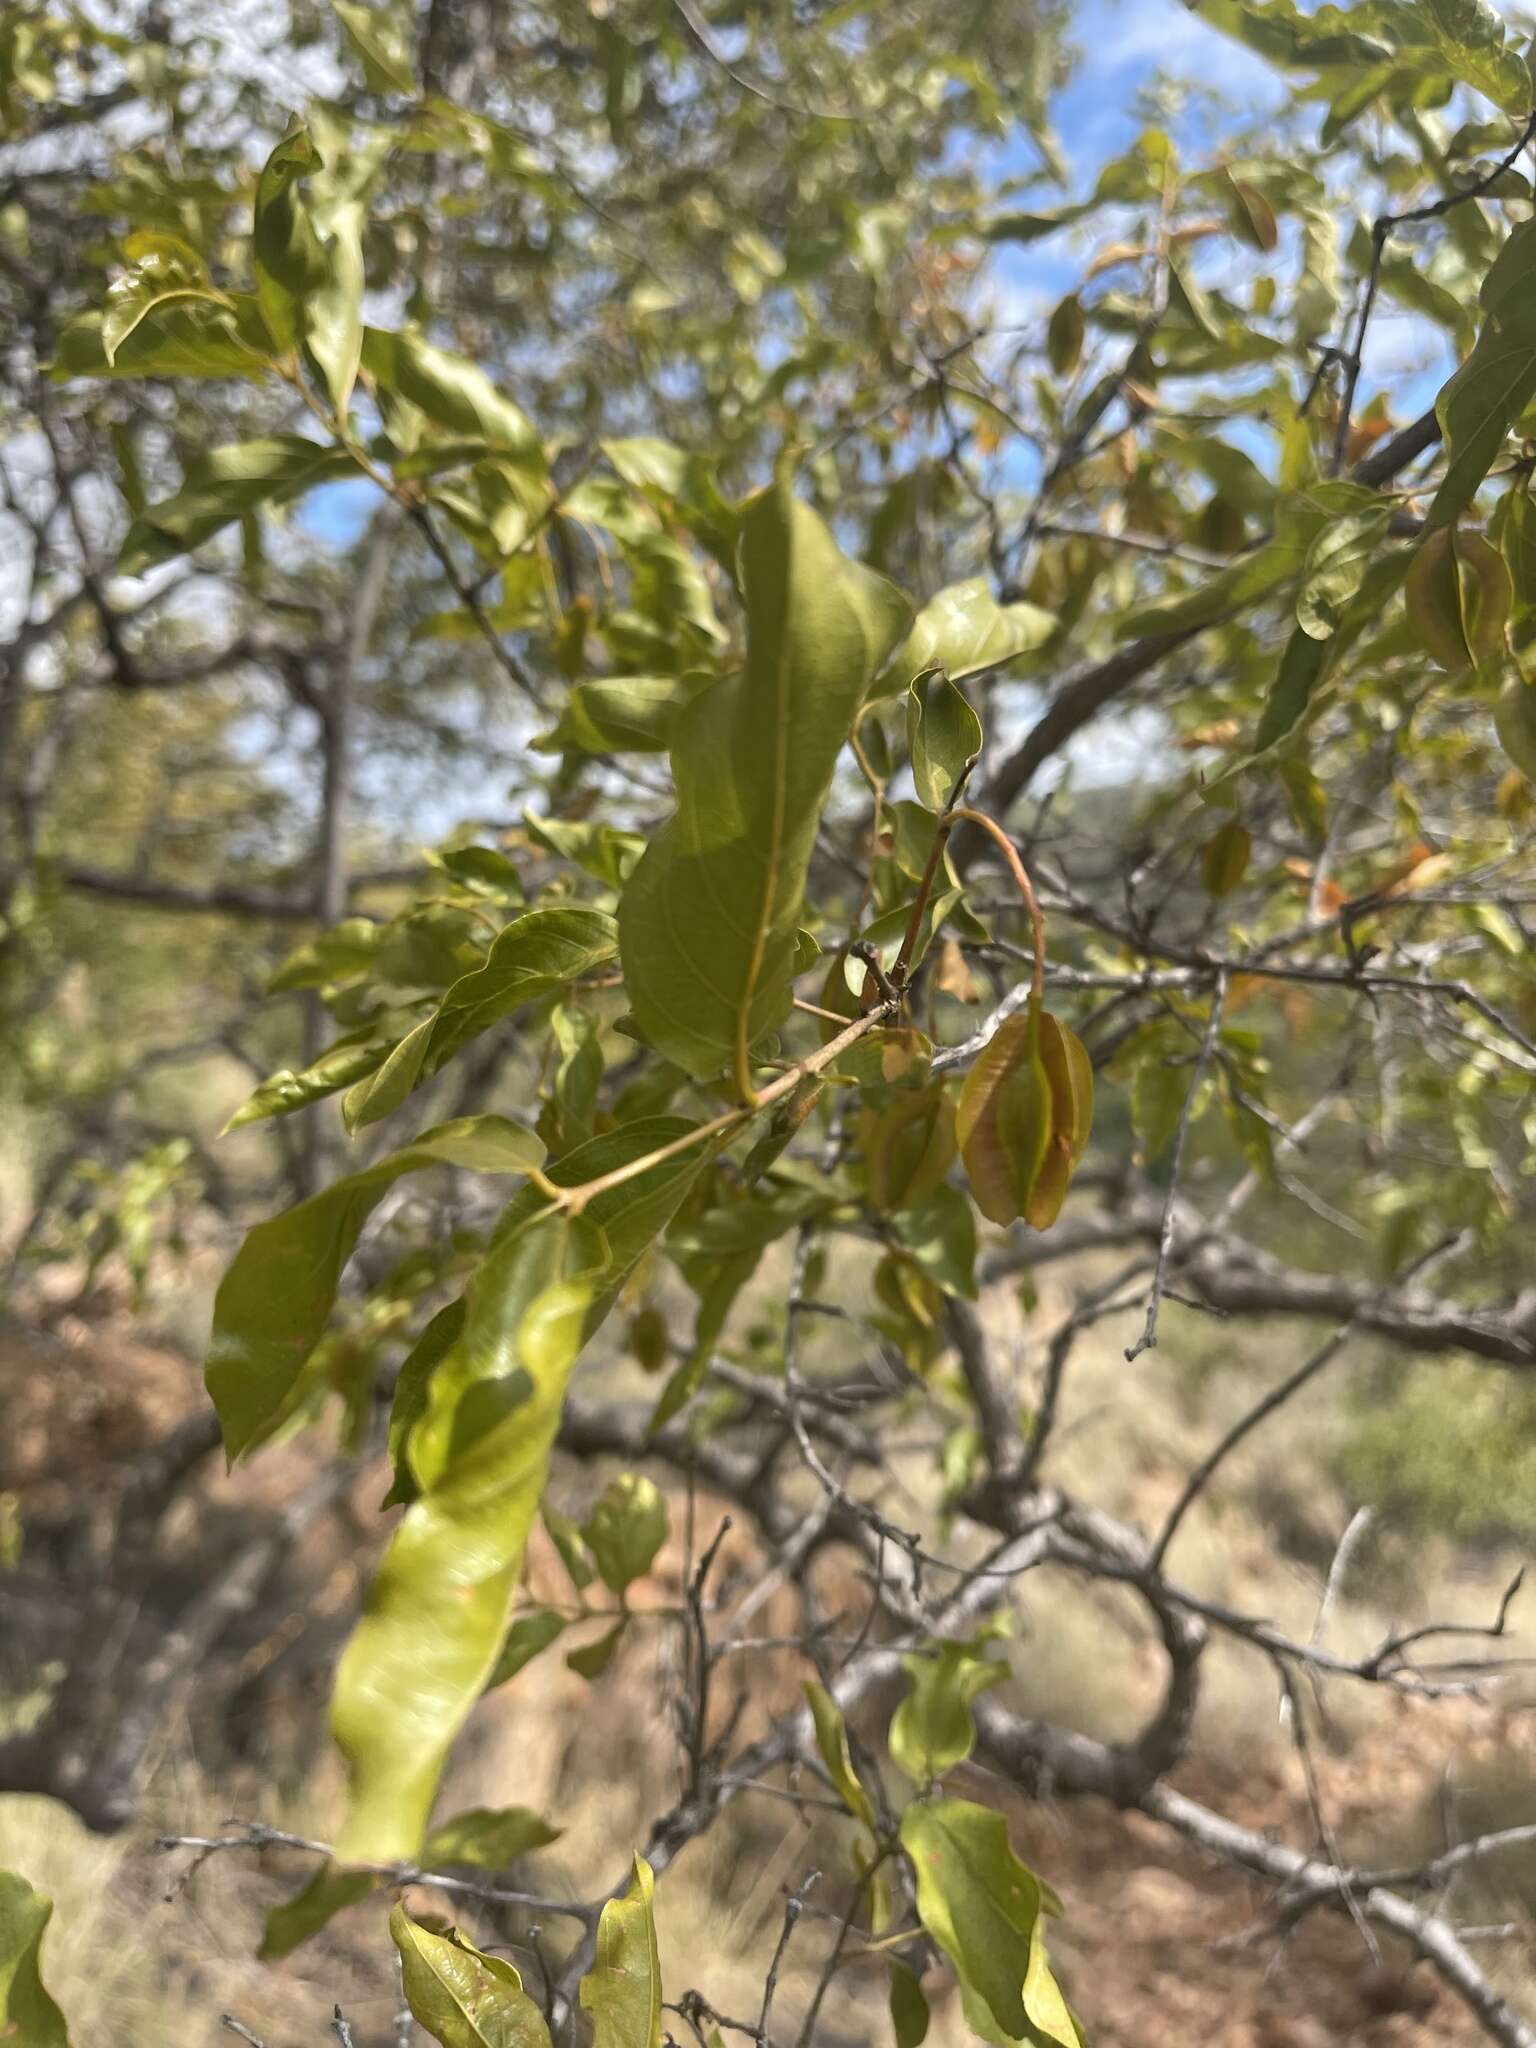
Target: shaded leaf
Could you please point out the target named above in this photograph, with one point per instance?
(329, 1892)
(625, 1530)
(542, 950)
(275, 1300)
(943, 737)
(486, 1838)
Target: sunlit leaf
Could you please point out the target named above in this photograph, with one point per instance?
(622, 1990)
(986, 1911)
(28, 2016)
(709, 920)
(436, 1613)
(462, 1998)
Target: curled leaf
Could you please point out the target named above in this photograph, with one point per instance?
(1024, 1117)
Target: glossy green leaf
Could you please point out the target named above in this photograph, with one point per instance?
(965, 630)
(275, 1300)
(462, 1998)
(591, 1660)
(986, 1911)
(306, 245)
(622, 1990)
(709, 920)
(486, 1838)
(939, 1237)
(832, 1743)
(339, 1066)
(537, 953)
(28, 2016)
(178, 337)
(163, 271)
(625, 1530)
(223, 485)
(1480, 404)
(932, 1729)
(436, 1614)
(943, 737)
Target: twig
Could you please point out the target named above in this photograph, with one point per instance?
(1148, 1337)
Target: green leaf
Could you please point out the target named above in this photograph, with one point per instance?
(223, 485)
(307, 247)
(623, 1987)
(162, 270)
(1064, 335)
(453, 393)
(1301, 668)
(1030, 227)
(591, 1660)
(939, 1236)
(1335, 567)
(175, 337)
(909, 2008)
(932, 1729)
(526, 1638)
(964, 630)
(537, 953)
(329, 1892)
(622, 1990)
(486, 1838)
(380, 41)
(275, 1300)
(986, 1910)
(625, 1530)
(433, 1624)
(943, 737)
(1495, 384)
(1224, 859)
(339, 1066)
(709, 920)
(1458, 596)
(622, 714)
(832, 1742)
(464, 1999)
(28, 2016)
(345, 950)
(410, 1401)
(1471, 39)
